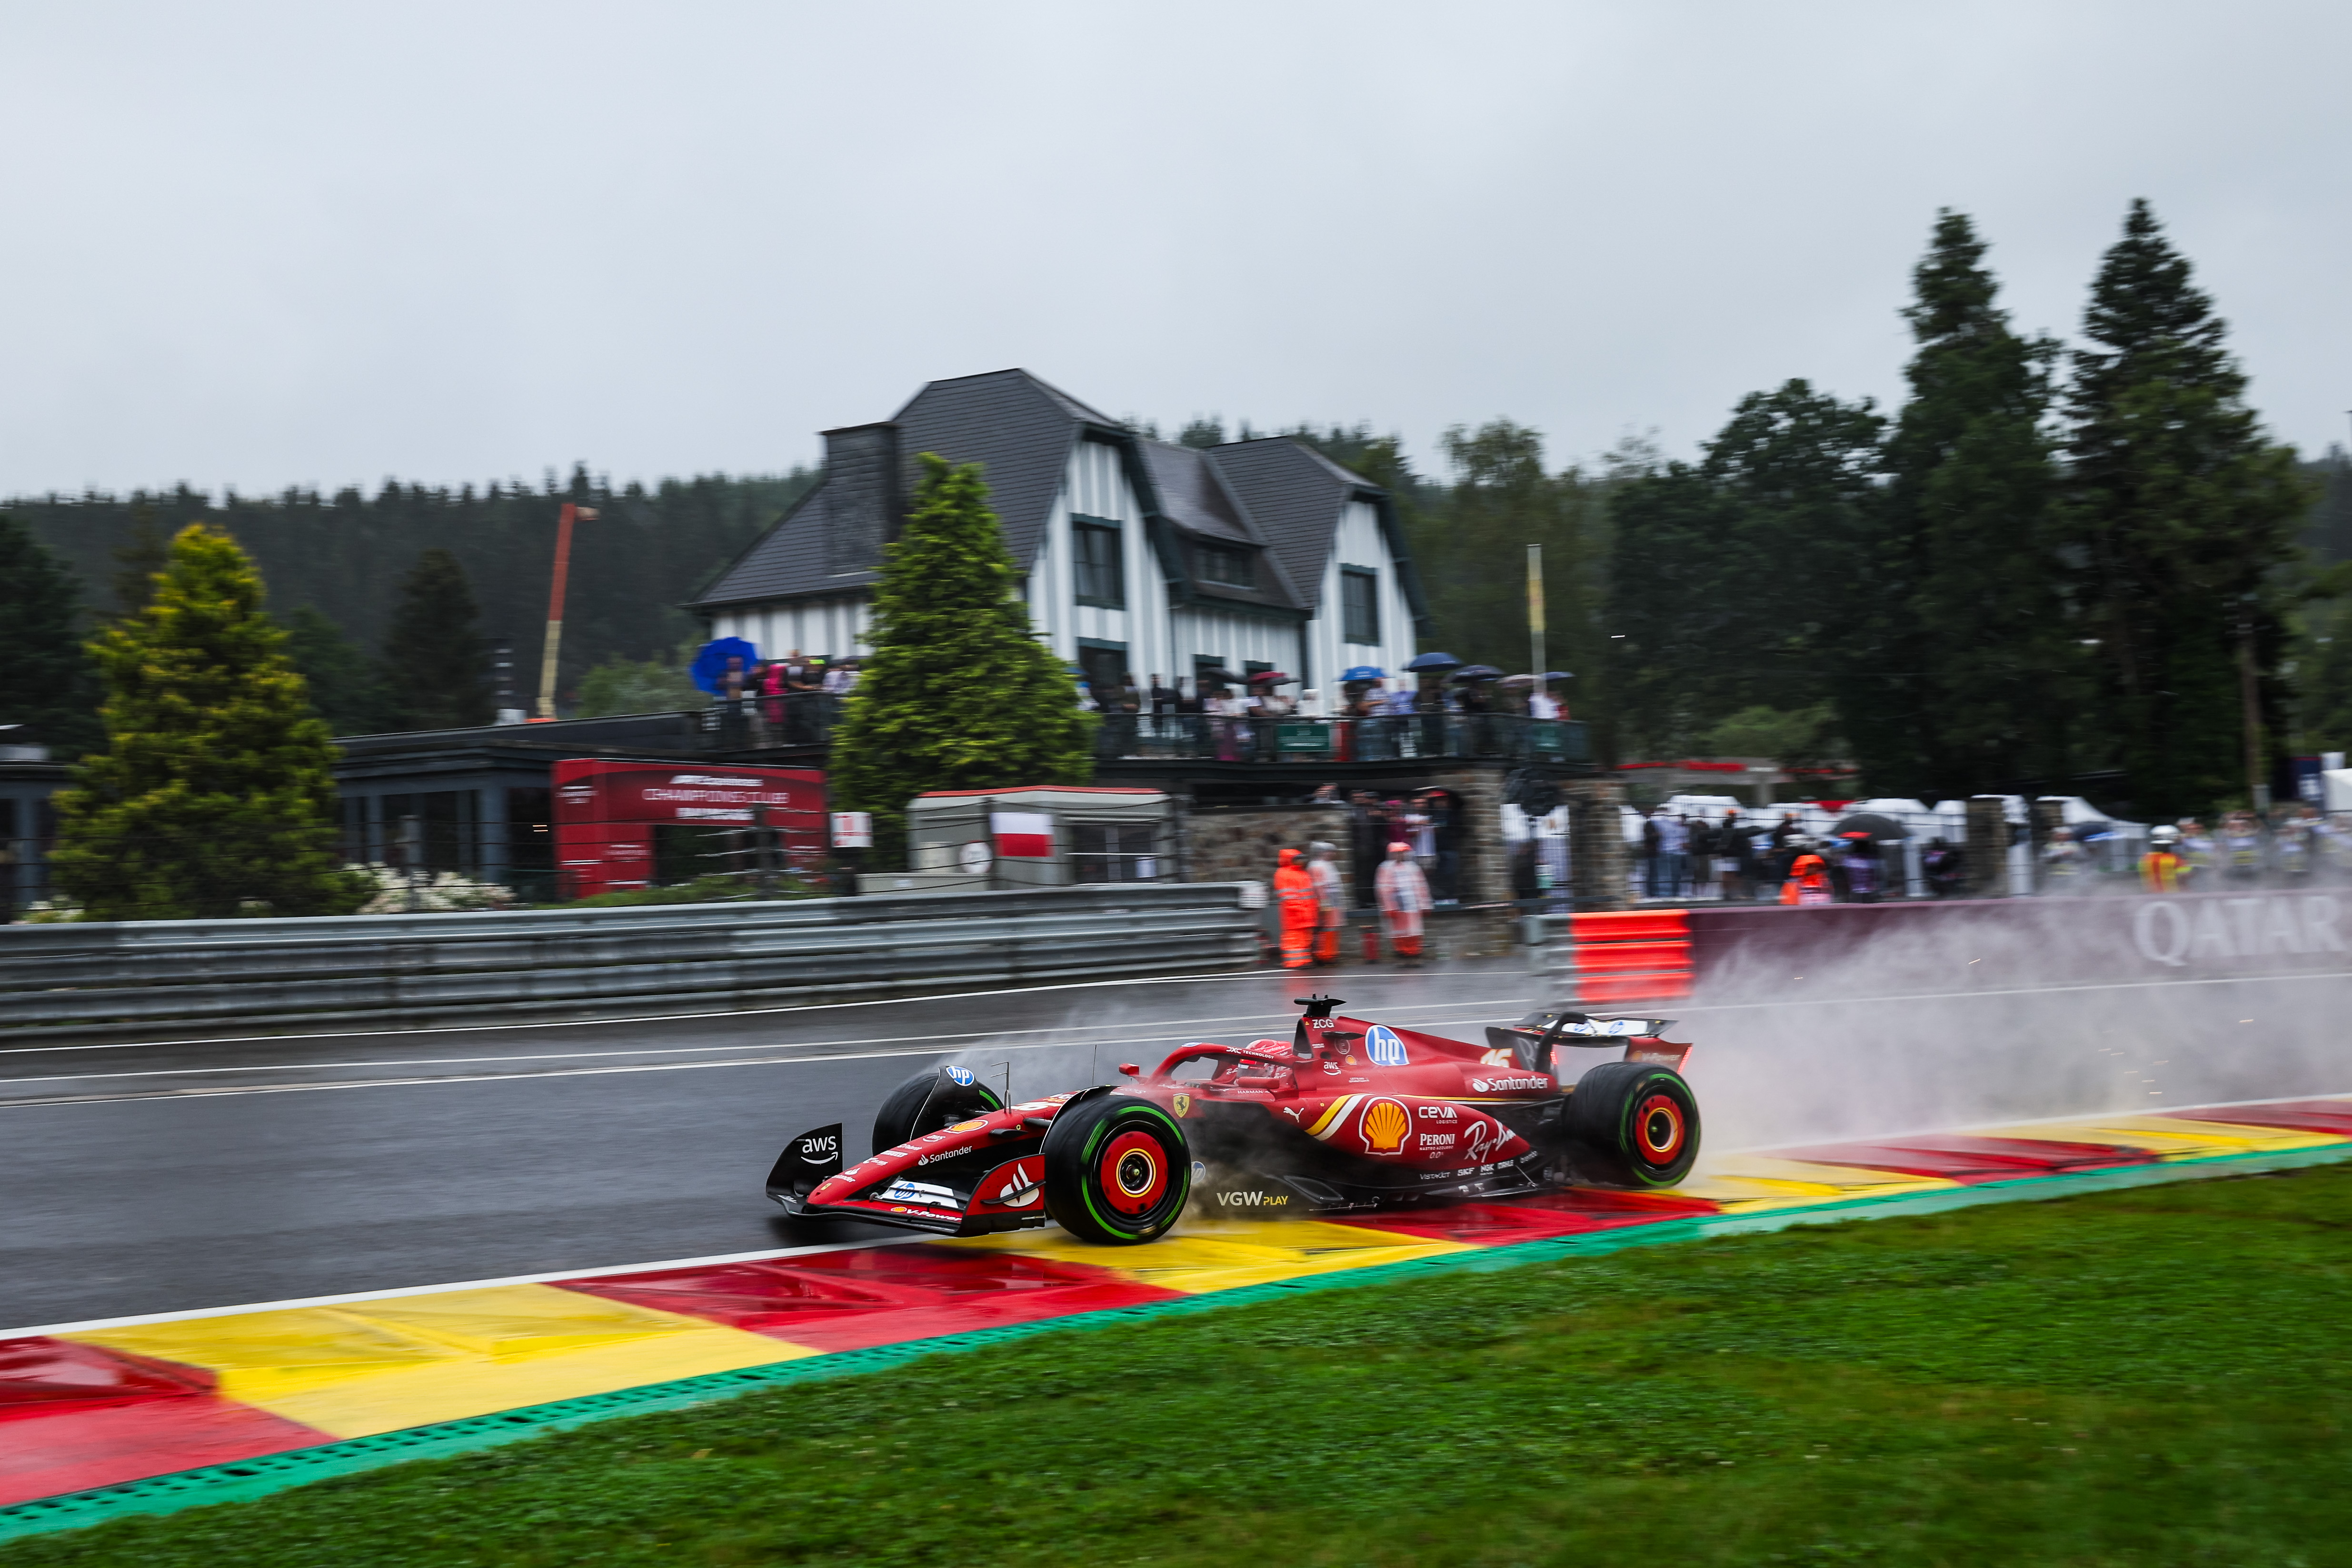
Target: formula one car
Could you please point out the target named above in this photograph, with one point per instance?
(1346, 1115)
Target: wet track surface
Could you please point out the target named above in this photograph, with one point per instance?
(150, 1178)
(161, 1177)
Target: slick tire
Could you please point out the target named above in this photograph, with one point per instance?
(927, 1102)
(1633, 1124)
(1118, 1170)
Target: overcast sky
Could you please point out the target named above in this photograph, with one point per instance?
(268, 245)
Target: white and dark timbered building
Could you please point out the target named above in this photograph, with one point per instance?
(1139, 556)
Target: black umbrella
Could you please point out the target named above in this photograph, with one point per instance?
(1871, 825)
(1471, 673)
(1429, 662)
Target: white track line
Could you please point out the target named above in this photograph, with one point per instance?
(677, 1017)
(34, 1102)
(919, 1040)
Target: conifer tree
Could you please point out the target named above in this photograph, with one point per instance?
(47, 682)
(2182, 511)
(214, 794)
(346, 687)
(1968, 496)
(433, 657)
(957, 693)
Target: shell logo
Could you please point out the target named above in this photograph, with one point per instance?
(1385, 1126)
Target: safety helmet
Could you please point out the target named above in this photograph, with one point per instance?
(2165, 835)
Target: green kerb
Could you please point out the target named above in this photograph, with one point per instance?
(277, 1472)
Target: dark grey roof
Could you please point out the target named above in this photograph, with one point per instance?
(1294, 494)
(1017, 427)
(1275, 493)
(788, 559)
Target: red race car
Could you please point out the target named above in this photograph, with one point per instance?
(1346, 1115)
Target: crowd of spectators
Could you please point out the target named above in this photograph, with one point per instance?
(2291, 846)
(787, 702)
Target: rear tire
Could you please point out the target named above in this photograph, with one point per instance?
(927, 1102)
(1636, 1123)
(1118, 1170)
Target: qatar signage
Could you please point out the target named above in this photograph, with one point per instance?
(605, 814)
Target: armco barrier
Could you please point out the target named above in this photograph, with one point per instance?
(410, 969)
(1607, 960)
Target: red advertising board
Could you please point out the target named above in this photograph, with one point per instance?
(605, 814)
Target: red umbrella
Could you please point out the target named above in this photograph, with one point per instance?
(1271, 677)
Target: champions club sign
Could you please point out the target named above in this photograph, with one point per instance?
(605, 814)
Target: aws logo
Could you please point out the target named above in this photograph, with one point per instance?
(1384, 1125)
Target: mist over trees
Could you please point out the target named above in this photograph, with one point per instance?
(2039, 572)
(343, 558)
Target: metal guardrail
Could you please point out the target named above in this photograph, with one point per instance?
(414, 969)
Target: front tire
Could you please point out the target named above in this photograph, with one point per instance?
(927, 1102)
(1118, 1170)
(1636, 1124)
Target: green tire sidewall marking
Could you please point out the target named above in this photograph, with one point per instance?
(1179, 1175)
(1629, 1136)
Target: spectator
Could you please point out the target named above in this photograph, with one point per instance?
(1439, 842)
(1941, 867)
(1542, 704)
(1368, 836)
(1330, 902)
(1404, 897)
(1667, 868)
(1735, 857)
(2242, 849)
(1861, 870)
(2198, 855)
(1698, 852)
(2064, 868)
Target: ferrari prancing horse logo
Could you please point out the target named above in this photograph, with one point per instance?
(1183, 1106)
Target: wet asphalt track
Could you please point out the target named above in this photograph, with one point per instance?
(165, 1177)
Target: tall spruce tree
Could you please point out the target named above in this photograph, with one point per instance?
(957, 694)
(346, 686)
(1753, 577)
(215, 795)
(1970, 483)
(2183, 513)
(46, 683)
(433, 658)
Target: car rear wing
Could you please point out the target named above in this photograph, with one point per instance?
(1533, 1038)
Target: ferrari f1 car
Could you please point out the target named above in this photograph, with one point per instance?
(1346, 1115)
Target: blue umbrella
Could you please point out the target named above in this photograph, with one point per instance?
(709, 666)
(1435, 661)
(1362, 672)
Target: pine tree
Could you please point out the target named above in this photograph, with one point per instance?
(345, 685)
(957, 693)
(433, 657)
(1753, 577)
(215, 795)
(46, 684)
(2182, 512)
(1969, 498)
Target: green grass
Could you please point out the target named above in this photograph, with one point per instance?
(2156, 1376)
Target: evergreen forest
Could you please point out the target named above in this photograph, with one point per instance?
(2053, 567)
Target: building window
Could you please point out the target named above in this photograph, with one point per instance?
(1231, 568)
(1360, 605)
(1101, 564)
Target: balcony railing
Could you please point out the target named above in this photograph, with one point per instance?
(1388, 737)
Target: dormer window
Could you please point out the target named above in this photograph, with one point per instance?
(1225, 567)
